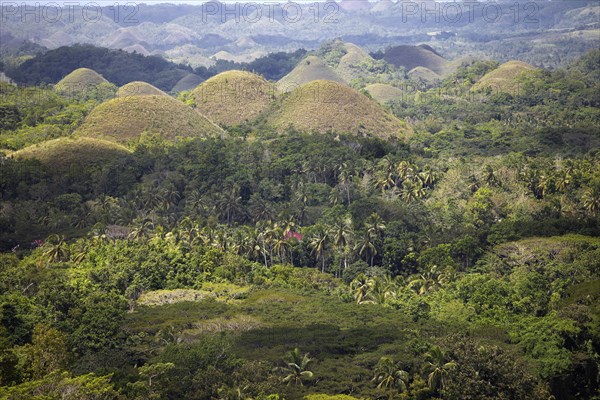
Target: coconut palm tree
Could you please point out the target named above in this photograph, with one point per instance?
(345, 176)
(437, 366)
(56, 249)
(591, 200)
(390, 376)
(361, 285)
(341, 232)
(405, 171)
(143, 230)
(229, 203)
(296, 367)
(365, 247)
(426, 281)
(489, 176)
(319, 243)
(427, 177)
(412, 191)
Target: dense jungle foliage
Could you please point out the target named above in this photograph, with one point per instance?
(462, 263)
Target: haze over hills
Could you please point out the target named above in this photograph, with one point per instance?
(326, 106)
(196, 32)
(125, 119)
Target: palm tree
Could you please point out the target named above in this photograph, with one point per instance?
(412, 191)
(425, 282)
(437, 367)
(375, 225)
(143, 230)
(365, 246)
(562, 182)
(383, 180)
(281, 245)
(591, 200)
(381, 290)
(390, 376)
(345, 178)
(229, 203)
(361, 285)
(405, 171)
(490, 176)
(341, 232)
(57, 249)
(318, 243)
(296, 367)
(427, 177)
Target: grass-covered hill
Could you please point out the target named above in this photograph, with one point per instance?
(311, 68)
(323, 106)
(384, 93)
(411, 57)
(125, 119)
(139, 89)
(503, 79)
(233, 97)
(69, 154)
(79, 80)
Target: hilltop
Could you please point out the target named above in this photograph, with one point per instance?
(125, 119)
(79, 80)
(504, 78)
(233, 97)
(324, 106)
(64, 153)
(138, 88)
(311, 68)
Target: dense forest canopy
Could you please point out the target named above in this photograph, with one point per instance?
(251, 261)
